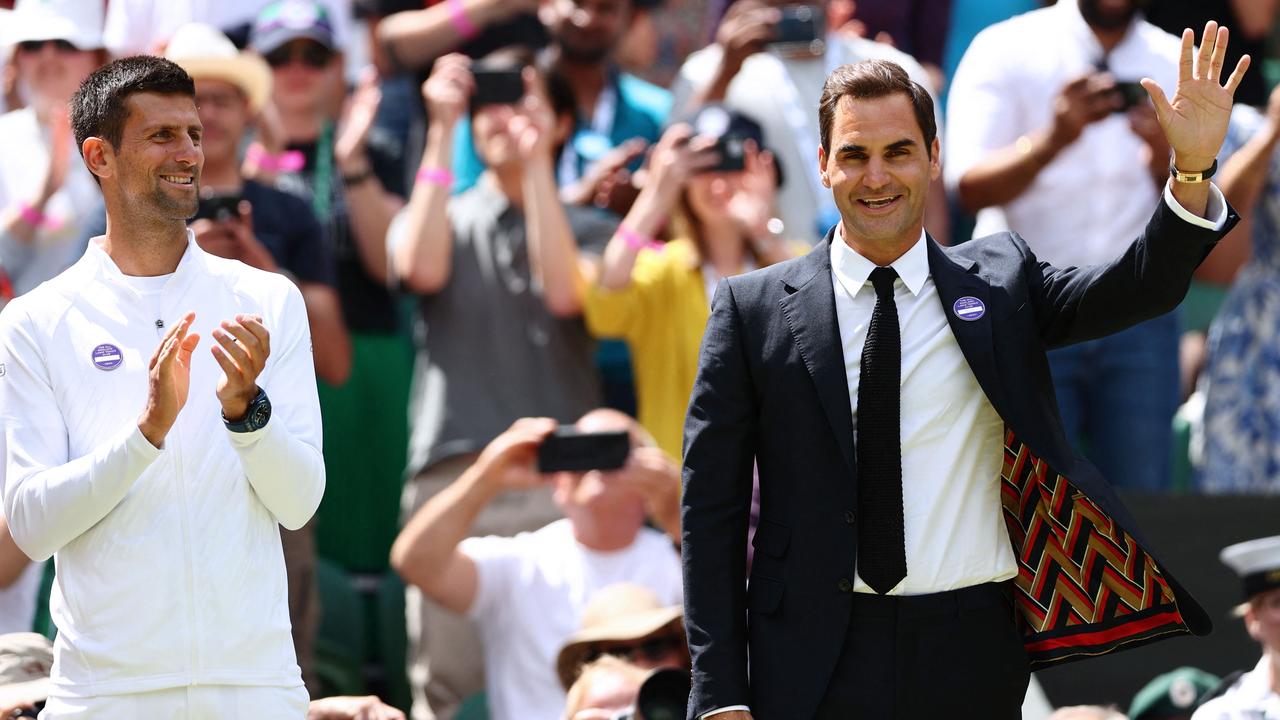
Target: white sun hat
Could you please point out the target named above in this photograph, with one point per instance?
(79, 22)
(206, 53)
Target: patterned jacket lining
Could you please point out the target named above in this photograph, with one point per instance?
(1084, 585)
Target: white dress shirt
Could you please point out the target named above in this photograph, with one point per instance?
(1087, 205)
(951, 435)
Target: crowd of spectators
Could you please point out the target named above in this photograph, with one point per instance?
(509, 215)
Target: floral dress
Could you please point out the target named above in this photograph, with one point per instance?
(1242, 403)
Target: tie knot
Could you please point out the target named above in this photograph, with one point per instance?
(882, 279)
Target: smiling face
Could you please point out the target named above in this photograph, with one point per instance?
(52, 70)
(879, 169)
(156, 169)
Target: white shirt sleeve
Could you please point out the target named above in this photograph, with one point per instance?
(718, 711)
(1216, 208)
(283, 460)
(498, 562)
(50, 499)
(981, 108)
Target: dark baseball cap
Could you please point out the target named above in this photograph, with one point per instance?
(287, 20)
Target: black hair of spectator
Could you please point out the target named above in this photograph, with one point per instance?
(99, 109)
(869, 80)
(560, 91)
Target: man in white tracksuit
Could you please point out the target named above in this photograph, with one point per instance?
(155, 471)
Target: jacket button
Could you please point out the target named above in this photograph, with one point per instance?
(849, 517)
(844, 585)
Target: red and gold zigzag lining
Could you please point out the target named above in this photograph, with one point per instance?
(1084, 585)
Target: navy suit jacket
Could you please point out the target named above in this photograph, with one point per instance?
(771, 388)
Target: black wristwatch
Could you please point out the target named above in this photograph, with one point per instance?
(255, 418)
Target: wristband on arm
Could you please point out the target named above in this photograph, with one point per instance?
(636, 241)
(460, 22)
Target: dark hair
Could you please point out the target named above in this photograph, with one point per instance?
(98, 108)
(868, 80)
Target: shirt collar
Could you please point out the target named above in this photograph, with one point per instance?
(853, 271)
(192, 258)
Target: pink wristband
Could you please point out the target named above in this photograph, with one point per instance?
(460, 22)
(435, 176)
(636, 241)
(30, 215)
(290, 161)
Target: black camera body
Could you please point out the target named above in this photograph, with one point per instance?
(497, 87)
(1131, 93)
(218, 207)
(799, 29)
(664, 695)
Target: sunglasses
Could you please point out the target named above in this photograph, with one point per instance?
(35, 46)
(311, 54)
(651, 650)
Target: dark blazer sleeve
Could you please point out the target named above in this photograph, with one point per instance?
(1148, 280)
(718, 455)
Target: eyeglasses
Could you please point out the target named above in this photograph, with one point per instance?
(311, 54)
(651, 650)
(35, 46)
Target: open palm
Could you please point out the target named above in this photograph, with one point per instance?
(1195, 120)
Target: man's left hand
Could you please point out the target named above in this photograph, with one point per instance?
(1195, 120)
(242, 350)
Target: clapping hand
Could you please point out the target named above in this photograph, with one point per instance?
(243, 346)
(1195, 120)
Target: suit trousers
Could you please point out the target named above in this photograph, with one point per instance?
(955, 655)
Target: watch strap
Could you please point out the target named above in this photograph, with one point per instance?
(1200, 176)
(255, 417)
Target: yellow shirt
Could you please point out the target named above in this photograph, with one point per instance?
(662, 315)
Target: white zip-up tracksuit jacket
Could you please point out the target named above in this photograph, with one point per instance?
(169, 567)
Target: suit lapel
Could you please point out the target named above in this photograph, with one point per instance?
(810, 310)
(959, 286)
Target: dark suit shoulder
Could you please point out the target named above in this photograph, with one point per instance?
(991, 250)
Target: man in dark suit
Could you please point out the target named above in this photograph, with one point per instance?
(926, 535)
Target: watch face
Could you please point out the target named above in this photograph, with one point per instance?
(260, 415)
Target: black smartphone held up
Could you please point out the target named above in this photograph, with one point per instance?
(1131, 94)
(797, 28)
(570, 449)
(218, 208)
(497, 87)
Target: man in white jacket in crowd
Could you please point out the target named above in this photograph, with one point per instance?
(154, 474)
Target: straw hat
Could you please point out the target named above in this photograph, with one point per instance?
(616, 613)
(206, 53)
(79, 22)
(26, 660)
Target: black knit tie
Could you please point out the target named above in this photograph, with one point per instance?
(882, 553)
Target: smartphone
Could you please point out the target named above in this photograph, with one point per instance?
(732, 154)
(798, 27)
(570, 449)
(218, 208)
(497, 87)
(1131, 93)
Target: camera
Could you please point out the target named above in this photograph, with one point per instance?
(497, 87)
(218, 208)
(799, 29)
(1131, 94)
(664, 695)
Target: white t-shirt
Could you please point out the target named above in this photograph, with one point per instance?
(1086, 206)
(532, 591)
(61, 241)
(18, 601)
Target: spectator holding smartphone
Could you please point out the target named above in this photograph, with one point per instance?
(658, 297)
(527, 593)
(1054, 147)
(769, 59)
(501, 279)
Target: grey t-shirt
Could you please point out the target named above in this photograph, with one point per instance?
(488, 350)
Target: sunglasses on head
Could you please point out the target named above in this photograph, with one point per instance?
(35, 46)
(311, 54)
(651, 650)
